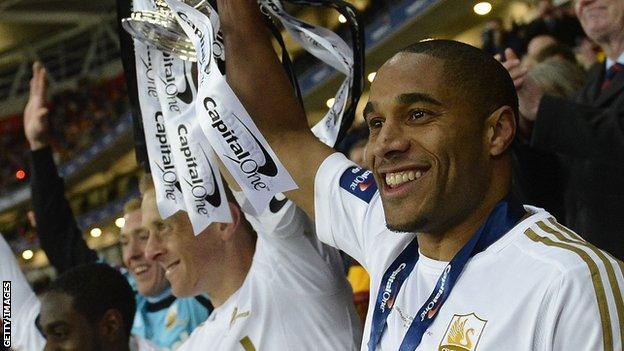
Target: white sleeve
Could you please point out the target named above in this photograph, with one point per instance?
(281, 219)
(580, 319)
(24, 303)
(347, 206)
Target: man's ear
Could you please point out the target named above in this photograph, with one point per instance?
(111, 325)
(227, 230)
(501, 130)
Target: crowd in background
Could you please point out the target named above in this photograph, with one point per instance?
(78, 116)
(553, 50)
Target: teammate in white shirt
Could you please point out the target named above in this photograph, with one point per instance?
(274, 286)
(24, 303)
(442, 117)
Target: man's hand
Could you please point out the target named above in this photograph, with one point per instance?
(35, 112)
(529, 93)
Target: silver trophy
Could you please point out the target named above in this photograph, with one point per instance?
(160, 29)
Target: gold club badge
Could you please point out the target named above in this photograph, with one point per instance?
(463, 333)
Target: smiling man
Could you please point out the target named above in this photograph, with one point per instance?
(160, 317)
(273, 284)
(456, 263)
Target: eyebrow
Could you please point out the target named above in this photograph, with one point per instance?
(411, 98)
(370, 107)
(53, 325)
(405, 99)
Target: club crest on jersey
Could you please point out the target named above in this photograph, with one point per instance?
(171, 317)
(463, 333)
(359, 182)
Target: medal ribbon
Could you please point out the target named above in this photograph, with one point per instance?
(503, 218)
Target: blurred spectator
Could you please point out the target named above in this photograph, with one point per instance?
(556, 22)
(558, 76)
(495, 38)
(354, 143)
(558, 51)
(538, 174)
(536, 45)
(586, 130)
(588, 53)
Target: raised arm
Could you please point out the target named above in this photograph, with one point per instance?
(258, 79)
(59, 235)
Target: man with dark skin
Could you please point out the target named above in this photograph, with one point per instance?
(442, 116)
(77, 315)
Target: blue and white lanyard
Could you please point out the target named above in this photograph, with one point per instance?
(505, 215)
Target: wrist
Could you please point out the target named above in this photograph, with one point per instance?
(37, 144)
(239, 18)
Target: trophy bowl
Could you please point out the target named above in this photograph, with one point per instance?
(161, 30)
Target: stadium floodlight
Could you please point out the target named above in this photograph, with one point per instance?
(28, 254)
(120, 222)
(482, 8)
(96, 232)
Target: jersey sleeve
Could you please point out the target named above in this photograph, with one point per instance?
(347, 206)
(586, 313)
(58, 232)
(281, 219)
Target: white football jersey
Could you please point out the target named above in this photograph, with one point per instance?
(294, 297)
(24, 304)
(539, 287)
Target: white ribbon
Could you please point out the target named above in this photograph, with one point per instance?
(329, 48)
(168, 196)
(229, 128)
(195, 162)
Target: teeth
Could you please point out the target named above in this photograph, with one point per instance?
(140, 269)
(398, 178)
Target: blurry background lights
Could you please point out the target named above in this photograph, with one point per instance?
(482, 8)
(342, 19)
(371, 76)
(20, 174)
(27, 254)
(96, 232)
(330, 102)
(120, 222)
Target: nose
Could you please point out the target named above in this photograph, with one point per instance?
(154, 249)
(390, 142)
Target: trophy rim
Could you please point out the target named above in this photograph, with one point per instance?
(154, 34)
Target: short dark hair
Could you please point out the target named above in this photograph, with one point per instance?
(556, 50)
(476, 74)
(132, 205)
(96, 288)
